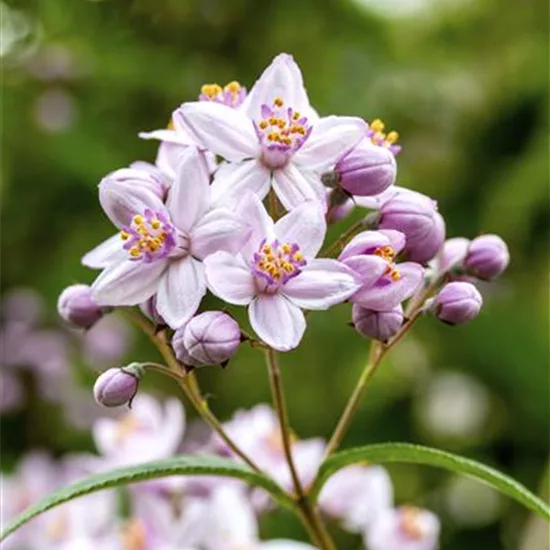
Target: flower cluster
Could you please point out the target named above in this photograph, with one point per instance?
(199, 513)
(238, 204)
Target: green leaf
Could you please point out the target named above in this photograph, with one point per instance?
(184, 465)
(406, 452)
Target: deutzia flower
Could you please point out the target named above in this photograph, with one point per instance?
(276, 273)
(275, 138)
(161, 246)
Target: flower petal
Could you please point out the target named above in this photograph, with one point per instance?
(181, 290)
(190, 193)
(331, 138)
(367, 241)
(232, 181)
(106, 253)
(123, 197)
(294, 185)
(128, 283)
(224, 131)
(277, 321)
(230, 278)
(322, 284)
(306, 226)
(260, 224)
(283, 79)
(220, 229)
(368, 267)
(179, 137)
(384, 298)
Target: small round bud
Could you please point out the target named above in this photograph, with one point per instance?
(210, 338)
(421, 250)
(457, 303)
(366, 170)
(487, 257)
(452, 254)
(181, 351)
(116, 386)
(76, 306)
(379, 325)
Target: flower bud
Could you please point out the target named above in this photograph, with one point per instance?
(452, 254)
(210, 338)
(487, 257)
(76, 306)
(366, 170)
(379, 325)
(117, 386)
(457, 302)
(421, 250)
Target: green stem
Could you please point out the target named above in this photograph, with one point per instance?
(344, 238)
(309, 514)
(187, 383)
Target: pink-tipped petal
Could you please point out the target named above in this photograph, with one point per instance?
(121, 199)
(322, 284)
(383, 298)
(230, 278)
(224, 131)
(294, 185)
(283, 79)
(331, 138)
(235, 180)
(106, 253)
(277, 321)
(189, 195)
(220, 229)
(369, 268)
(128, 283)
(306, 226)
(181, 290)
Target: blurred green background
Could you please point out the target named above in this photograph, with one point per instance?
(466, 85)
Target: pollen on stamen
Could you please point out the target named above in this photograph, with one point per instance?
(378, 137)
(277, 262)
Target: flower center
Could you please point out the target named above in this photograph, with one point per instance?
(126, 426)
(277, 263)
(378, 137)
(388, 253)
(232, 94)
(148, 237)
(134, 536)
(411, 523)
(281, 129)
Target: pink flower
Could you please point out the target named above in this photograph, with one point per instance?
(161, 246)
(275, 138)
(385, 284)
(356, 495)
(149, 431)
(276, 273)
(403, 528)
(229, 523)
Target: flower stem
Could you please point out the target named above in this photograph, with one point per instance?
(187, 383)
(309, 514)
(344, 238)
(377, 352)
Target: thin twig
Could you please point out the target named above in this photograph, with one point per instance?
(342, 240)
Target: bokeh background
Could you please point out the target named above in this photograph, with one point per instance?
(466, 85)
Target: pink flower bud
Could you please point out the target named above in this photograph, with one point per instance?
(487, 257)
(76, 306)
(457, 303)
(149, 309)
(452, 254)
(379, 325)
(366, 170)
(415, 215)
(210, 338)
(116, 386)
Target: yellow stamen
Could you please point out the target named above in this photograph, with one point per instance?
(278, 101)
(234, 87)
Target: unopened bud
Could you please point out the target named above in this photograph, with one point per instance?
(487, 257)
(76, 306)
(379, 325)
(421, 250)
(366, 170)
(149, 309)
(210, 338)
(117, 386)
(452, 254)
(457, 303)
